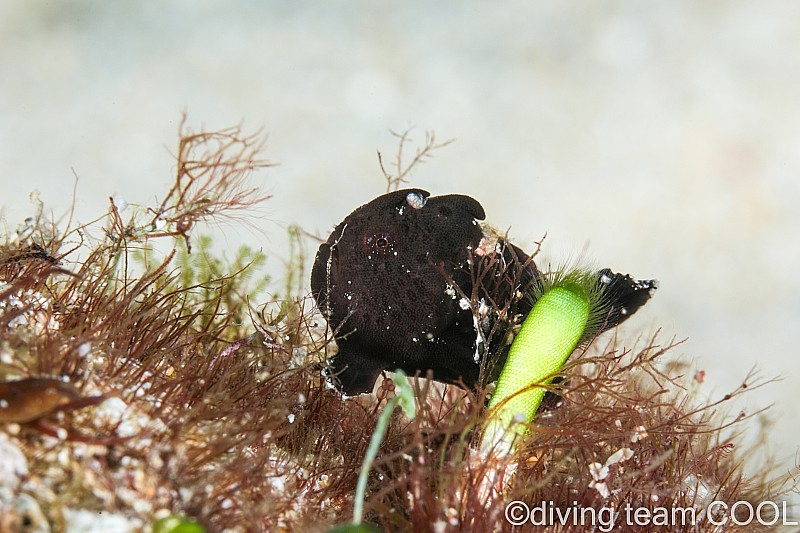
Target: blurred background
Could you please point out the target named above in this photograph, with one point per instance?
(659, 138)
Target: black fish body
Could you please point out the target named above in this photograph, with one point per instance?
(414, 282)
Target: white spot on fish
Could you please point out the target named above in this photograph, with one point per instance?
(416, 200)
(450, 291)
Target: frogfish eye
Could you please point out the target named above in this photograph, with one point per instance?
(381, 243)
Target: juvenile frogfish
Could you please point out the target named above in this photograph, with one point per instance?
(418, 283)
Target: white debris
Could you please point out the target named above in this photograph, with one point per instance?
(600, 472)
(639, 433)
(490, 243)
(83, 521)
(120, 203)
(13, 466)
(85, 349)
(601, 488)
(623, 454)
(450, 291)
(110, 411)
(129, 420)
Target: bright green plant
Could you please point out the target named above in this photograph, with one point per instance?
(566, 313)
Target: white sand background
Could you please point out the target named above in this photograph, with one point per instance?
(658, 138)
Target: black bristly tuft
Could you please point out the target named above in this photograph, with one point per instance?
(622, 296)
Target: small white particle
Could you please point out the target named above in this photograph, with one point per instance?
(291, 418)
(598, 471)
(601, 488)
(120, 203)
(113, 409)
(63, 455)
(640, 433)
(84, 349)
(623, 454)
(463, 303)
(452, 516)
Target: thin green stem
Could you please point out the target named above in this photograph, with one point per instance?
(369, 458)
(404, 396)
